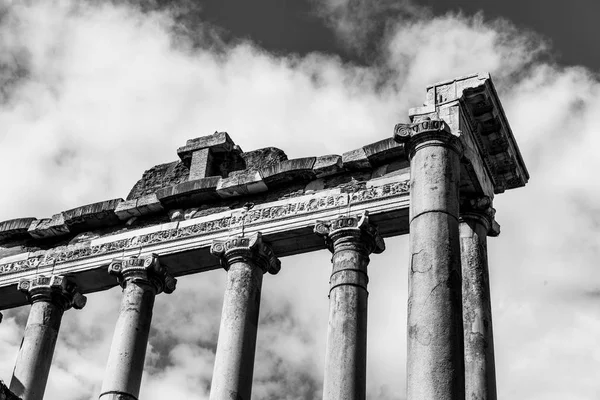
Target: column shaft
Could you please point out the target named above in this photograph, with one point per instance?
(234, 361)
(435, 343)
(50, 296)
(141, 279)
(246, 259)
(37, 348)
(480, 374)
(128, 351)
(346, 352)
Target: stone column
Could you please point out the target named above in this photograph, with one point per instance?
(435, 334)
(49, 298)
(141, 279)
(246, 259)
(476, 223)
(351, 240)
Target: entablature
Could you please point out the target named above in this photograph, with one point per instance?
(471, 106)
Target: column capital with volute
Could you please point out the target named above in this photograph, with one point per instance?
(56, 289)
(251, 249)
(351, 232)
(480, 210)
(427, 132)
(144, 270)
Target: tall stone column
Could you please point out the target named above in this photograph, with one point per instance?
(351, 240)
(50, 297)
(435, 334)
(141, 279)
(246, 259)
(476, 223)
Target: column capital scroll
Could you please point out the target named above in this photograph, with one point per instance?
(56, 289)
(481, 210)
(352, 231)
(246, 248)
(425, 133)
(146, 270)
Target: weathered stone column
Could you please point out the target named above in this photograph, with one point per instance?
(49, 297)
(435, 335)
(351, 240)
(141, 279)
(476, 223)
(246, 259)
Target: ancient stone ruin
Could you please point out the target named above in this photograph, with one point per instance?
(219, 206)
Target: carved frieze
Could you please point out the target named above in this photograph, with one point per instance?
(297, 206)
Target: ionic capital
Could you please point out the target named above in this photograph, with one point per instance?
(249, 249)
(146, 270)
(55, 289)
(351, 233)
(480, 209)
(428, 132)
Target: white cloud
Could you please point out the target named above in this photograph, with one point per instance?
(109, 93)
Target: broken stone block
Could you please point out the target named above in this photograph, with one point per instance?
(296, 170)
(15, 228)
(49, 227)
(328, 165)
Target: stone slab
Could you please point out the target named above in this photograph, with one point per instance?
(49, 227)
(15, 228)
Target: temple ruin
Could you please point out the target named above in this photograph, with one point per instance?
(220, 207)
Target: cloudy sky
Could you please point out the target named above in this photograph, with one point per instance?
(92, 93)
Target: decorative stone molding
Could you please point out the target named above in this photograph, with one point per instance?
(55, 289)
(354, 232)
(250, 249)
(471, 104)
(412, 135)
(303, 205)
(480, 209)
(146, 270)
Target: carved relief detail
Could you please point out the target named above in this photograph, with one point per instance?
(145, 270)
(255, 216)
(56, 289)
(353, 232)
(249, 249)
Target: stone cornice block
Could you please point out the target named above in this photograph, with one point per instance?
(328, 165)
(241, 184)
(296, 170)
(356, 160)
(470, 104)
(49, 227)
(92, 216)
(15, 228)
(199, 190)
(146, 205)
(384, 152)
(217, 142)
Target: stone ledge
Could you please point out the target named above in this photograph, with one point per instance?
(146, 205)
(298, 169)
(15, 228)
(356, 160)
(384, 152)
(328, 165)
(93, 215)
(199, 190)
(49, 227)
(241, 184)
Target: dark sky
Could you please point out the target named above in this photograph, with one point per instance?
(291, 25)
